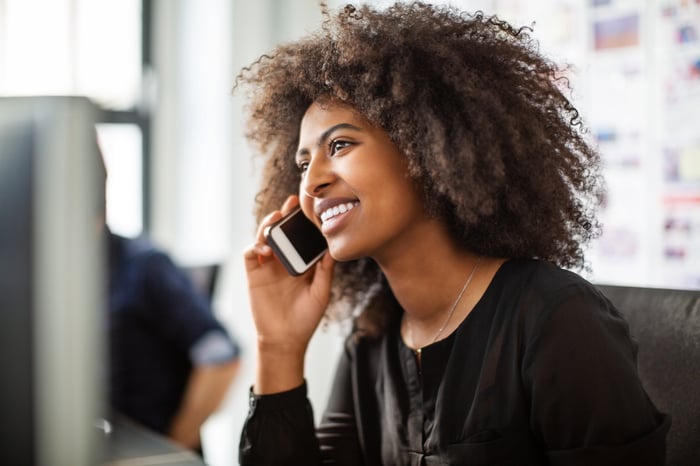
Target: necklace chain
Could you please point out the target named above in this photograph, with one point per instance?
(459, 298)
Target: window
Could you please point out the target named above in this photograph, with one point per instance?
(92, 48)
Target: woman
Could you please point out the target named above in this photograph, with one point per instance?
(466, 186)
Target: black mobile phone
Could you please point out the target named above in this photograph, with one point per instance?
(296, 241)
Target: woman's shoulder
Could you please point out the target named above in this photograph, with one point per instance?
(535, 289)
(543, 278)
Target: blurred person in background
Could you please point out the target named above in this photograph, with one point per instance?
(171, 361)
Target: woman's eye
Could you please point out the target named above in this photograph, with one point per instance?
(303, 166)
(338, 144)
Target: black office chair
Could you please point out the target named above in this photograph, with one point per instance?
(666, 325)
(204, 277)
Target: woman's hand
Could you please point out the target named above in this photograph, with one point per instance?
(286, 309)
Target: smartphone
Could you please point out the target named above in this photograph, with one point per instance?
(296, 241)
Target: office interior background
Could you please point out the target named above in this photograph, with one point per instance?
(181, 171)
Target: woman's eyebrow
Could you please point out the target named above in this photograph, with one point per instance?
(324, 136)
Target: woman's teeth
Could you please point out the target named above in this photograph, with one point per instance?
(339, 209)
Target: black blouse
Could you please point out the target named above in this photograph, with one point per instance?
(541, 372)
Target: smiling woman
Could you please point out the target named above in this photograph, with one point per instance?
(336, 148)
(446, 168)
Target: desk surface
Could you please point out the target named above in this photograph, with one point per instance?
(129, 444)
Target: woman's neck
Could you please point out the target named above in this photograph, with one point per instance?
(427, 277)
(424, 267)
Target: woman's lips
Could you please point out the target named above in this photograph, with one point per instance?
(334, 211)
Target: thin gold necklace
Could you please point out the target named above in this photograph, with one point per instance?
(454, 306)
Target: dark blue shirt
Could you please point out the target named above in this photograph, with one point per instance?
(157, 323)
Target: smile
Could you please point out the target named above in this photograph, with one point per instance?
(337, 210)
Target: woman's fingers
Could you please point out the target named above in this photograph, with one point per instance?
(289, 204)
(268, 220)
(260, 251)
(323, 275)
(257, 249)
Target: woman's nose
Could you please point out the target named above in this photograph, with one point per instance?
(318, 176)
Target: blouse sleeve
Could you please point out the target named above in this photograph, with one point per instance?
(280, 430)
(588, 403)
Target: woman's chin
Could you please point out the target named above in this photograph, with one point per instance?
(342, 253)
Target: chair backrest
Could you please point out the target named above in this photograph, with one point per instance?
(666, 326)
(203, 277)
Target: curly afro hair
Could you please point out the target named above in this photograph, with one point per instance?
(497, 148)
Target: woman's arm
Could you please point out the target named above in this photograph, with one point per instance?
(280, 427)
(286, 311)
(588, 403)
(279, 430)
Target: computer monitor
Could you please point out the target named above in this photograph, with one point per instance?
(52, 282)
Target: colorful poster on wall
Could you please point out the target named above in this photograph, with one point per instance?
(643, 100)
(679, 118)
(617, 104)
(636, 81)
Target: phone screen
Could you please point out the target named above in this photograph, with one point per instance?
(305, 236)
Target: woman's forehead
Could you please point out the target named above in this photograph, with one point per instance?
(330, 112)
(325, 109)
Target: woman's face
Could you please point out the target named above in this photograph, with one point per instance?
(355, 184)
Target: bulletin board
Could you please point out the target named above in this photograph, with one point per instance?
(635, 73)
(643, 84)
